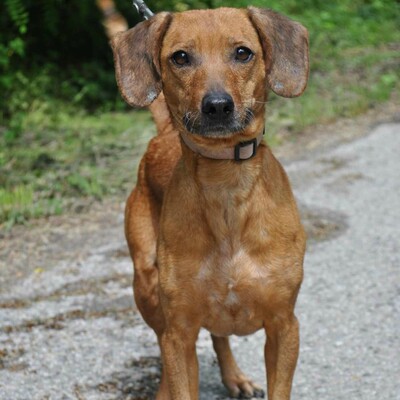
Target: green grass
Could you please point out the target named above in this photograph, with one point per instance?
(20, 204)
(361, 79)
(55, 156)
(64, 161)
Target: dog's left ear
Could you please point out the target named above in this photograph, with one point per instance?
(136, 59)
(285, 46)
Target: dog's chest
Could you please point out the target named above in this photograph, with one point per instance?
(232, 282)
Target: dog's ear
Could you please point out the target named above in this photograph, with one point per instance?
(285, 46)
(136, 59)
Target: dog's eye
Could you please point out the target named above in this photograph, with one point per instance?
(243, 54)
(180, 58)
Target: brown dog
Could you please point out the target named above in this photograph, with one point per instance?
(212, 225)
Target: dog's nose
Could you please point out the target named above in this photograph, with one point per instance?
(217, 105)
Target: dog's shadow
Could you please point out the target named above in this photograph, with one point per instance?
(141, 377)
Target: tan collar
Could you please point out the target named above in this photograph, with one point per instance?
(242, 151)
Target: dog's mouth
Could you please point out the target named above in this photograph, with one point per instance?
(199, 124)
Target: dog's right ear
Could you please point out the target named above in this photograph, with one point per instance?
(285, 45)
(136, 59)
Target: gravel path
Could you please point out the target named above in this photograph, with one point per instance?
(69, 328)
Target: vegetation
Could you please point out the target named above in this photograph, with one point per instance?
(65, 134)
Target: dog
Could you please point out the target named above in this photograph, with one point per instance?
(212, 225)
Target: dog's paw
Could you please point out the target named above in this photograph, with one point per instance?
(241, 387)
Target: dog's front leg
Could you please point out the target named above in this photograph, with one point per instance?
(178, 346)
(281, 353)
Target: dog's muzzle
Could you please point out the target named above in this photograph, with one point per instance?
(217, 107)
(218, 116)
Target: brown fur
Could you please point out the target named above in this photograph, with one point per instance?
(113, 21)
(215, 243)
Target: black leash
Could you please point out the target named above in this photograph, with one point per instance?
(142, 9)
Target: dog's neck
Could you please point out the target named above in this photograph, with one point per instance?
(221, 175)
(224, 189)
(242, 151)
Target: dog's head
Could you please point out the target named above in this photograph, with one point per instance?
(214, 66)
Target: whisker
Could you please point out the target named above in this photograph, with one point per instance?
(195, 119)
(178, 120)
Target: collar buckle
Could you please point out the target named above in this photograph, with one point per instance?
(241, 145)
